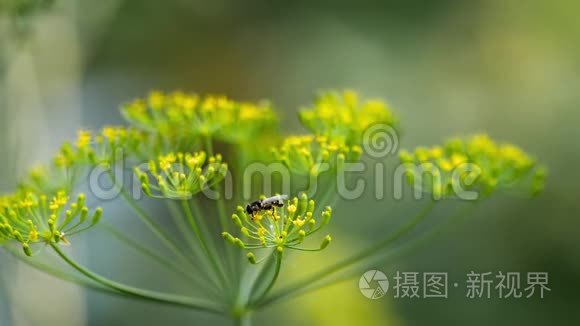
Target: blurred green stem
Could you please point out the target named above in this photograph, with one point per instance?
(244, 319)
(405, 251)
(357, 258)
(230, 258)
(197, 304)
(181, 224)
(162, 261)
(179, 220)
(55, 272)
(149, 222)
(278, 257)
(193, 222)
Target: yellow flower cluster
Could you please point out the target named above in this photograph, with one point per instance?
(103, 146)
(312, 155)
(47, 179)
(475, 163)
(180, 117)
(180, 176)
(343, 116)
(30, 218)
(75, 158)
(280, 228)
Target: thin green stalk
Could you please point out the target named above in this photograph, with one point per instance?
(171, 299)
(179, 220)
(428, 236)
(305, 249)
(55, 272)
(278, 258)
(208, 145)
(61, 275)
(350, 261)
(184, 231)
(329, 196)
(244, 292)
(221, 202)
(253, 287)
(405, 251)
(212, 242)
(202, 241)
(244, 319)
(221, 207)
(167, 263)
(239, 258)
(150, 223)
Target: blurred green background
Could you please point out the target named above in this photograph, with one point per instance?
(509, 68)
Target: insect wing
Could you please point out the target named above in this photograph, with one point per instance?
(278, 199)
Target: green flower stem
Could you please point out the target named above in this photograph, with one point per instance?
(204, 226)
(224, 225)
(185, 231)
(278, 258)
(290, 290)
(455, 219)
(248, 280)
(218, 269)
(168, 263)
(177, 300)
(208, 145)
(244, 292)
(239, 257)
(405, 251)
(255, 288)
(222, 216)
(150, 223)
(329, 196)
(181, 226)
(305, 249)
(244, 319)
(55, 272)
